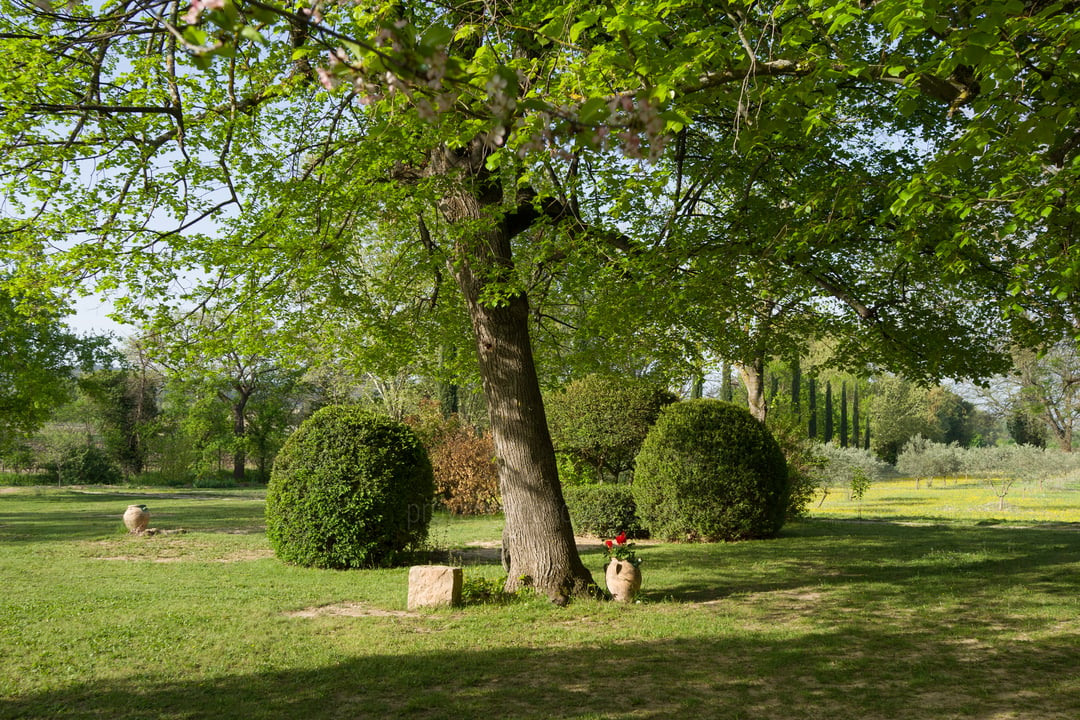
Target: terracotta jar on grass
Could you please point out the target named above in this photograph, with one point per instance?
(136, 519)
(622, 574)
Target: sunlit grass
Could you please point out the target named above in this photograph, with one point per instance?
(956, 499)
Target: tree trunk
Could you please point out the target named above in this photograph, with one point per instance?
(538, 540)
(753, 377)
(239, 431)
(448, 391)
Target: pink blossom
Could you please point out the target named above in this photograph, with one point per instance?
(197, 6)
(326, 78)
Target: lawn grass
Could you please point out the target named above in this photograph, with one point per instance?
(910, 617)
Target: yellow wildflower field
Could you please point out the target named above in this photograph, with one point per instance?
(961, 499)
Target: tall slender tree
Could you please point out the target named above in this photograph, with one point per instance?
(796, 389)
(843, 415)
(828, 413)
(855, 429)
(725, 389)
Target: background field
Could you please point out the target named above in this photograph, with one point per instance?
(929, 611)
(957, 499)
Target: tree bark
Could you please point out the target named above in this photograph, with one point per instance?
(538, 540)
(753, 377)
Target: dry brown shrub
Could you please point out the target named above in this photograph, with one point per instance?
(466, 478)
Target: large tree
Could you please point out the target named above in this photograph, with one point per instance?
(39, 360)
(1047, 386)
(233, 378)
(124, 405)
(484, 129)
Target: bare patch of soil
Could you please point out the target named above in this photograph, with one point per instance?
(349, 609)
(231, 558)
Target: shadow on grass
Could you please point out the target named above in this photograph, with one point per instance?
(840, 674)
(79, 515)
(868, 559)
(833, 619)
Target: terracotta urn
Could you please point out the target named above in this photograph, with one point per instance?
(136, 518)
(623, 580)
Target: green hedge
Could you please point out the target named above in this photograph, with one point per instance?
(603, 510)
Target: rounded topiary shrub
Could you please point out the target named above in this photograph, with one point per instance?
(349, 489)
(709, 471)
(603, 510)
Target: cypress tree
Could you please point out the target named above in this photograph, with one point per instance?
(811, 391)
(843, 415)
(855, 416)
(725, 390)
(796, 388)
(866, 435)
(448, 398)
(828, 413)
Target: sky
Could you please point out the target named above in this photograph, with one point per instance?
(91, 318)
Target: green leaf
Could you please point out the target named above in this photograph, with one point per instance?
(588, 19)
(195, 35)
(249, 32)
(593, 111)
(438, 36)
(467, 31)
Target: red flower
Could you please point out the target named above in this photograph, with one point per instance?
(620, 549)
